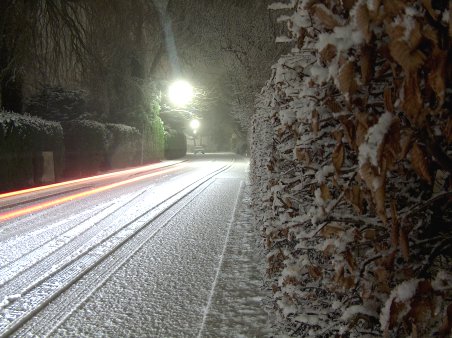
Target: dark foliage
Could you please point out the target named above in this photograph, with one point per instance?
(57, 104)
(22, 139)
(124, 145)
(176, 145)
(86, 144)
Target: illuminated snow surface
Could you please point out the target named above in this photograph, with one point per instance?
(198, 276)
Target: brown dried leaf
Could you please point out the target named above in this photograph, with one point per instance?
(437, 74)
(350, 261)
(302, 155)
(329, 250)
(332, 105)
(367, 64)
(331, 230)
(338, 135)
(362, 127)
(374, 11)
(315, 272)
(348, 282)
(326, 17)
(430, 33)
(328, 53)
(382, 275)
(362, 21)
(406, 141)
(284, 232)
(376, 184)
(394, 225)
(338, 157)
(315, 122)
(412, 102)
(388, 261)
(389, 106)
(354, 196)
(348, 4)
(385, 67)
(389, 150)
(420, 163)
(290, 280)
(428, 6)
(346, 79)
(394, 7)
(301, 37)
(447, 127)
(370, 234)
(339, 275)
(325, 192)
(404, 243)
(350, 131)
(415, 37)
(287, 202)
(379, 199)
(410, 60)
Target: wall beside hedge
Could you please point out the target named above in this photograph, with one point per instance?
(86, 144)
(22, 139)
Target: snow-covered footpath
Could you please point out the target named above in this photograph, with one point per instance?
(236, 306)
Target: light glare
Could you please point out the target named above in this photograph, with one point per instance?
(194, 124)
(180, 93)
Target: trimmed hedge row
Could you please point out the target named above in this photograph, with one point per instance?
(124, 144)
(86, 144)
(80, 148)
(175, 145)
(22, 139)
(92, 147)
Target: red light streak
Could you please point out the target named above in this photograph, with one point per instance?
(80, 180)
(45, 205)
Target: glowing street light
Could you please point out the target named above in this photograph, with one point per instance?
(194, 124)
(180, 93)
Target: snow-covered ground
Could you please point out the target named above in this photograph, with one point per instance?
(193, 269)
(236, 307)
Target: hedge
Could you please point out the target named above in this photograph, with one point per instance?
(22, 139)
(176, 144)
(154, 140)
(124, 146)
(86, 144)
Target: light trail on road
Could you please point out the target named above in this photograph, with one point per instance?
(83, 180)
(45, 205)
(48, 259)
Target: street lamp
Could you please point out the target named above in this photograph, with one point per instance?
(194, 124)
(180, 93)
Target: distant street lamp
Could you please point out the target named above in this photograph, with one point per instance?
(180, 93)
(194, 125)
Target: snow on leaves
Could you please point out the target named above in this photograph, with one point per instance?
(351, 165)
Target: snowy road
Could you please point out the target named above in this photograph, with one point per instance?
(136, 259)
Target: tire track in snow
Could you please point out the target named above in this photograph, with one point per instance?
(26, 304)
